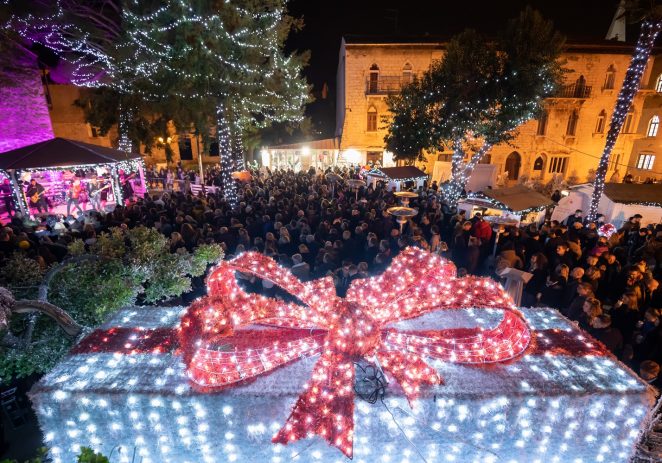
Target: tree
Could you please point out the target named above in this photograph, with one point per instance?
(221, 70)
(477, 95)
(649, 12)
(213, 67)
(123, 267)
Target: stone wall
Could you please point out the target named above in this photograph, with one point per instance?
(24, 118)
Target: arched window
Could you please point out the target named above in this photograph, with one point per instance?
(610, 78)
(373, 80)
(572, 124)
(372, 119)
(658, 84)
(542, 123)
(653, 125)
(539, 163)
(600, 124)
(407, 74)
(580, 87)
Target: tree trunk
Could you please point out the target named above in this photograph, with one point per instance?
(647, 35)
(456, 183)
(62, 318)
(123, 128)
(225, 153)
(43, 291)
(237, 147)
(460, 172)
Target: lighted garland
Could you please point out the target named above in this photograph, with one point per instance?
(378, 173)
(631, 83)
(113, 168)
(218, 353)
(496, 204)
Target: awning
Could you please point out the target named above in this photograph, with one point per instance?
(403, 173)
(515, 199)
(60, 153)
(649, 194)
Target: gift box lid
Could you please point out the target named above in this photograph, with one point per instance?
(562, 360)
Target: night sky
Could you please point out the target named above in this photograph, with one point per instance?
(326, 22)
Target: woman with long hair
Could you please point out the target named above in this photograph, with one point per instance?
(538, 267)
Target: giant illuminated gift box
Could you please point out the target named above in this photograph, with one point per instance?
(125, 390)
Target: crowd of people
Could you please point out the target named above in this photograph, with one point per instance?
(607, 283)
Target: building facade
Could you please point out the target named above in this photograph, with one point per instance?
(34, 109)
(567, 139)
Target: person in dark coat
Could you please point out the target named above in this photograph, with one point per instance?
(611, 337)
(537, 282)
(461, 245)
(473, 255)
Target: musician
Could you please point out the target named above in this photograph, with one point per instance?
(74, 196)
(127, 188)
(96, 192)
(7, 196)
(36, 196)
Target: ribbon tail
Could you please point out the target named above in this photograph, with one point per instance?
(326, 408)
(409, 370)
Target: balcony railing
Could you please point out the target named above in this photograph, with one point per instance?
(574, 91)
(385, 85)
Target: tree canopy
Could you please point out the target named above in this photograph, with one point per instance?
(477, 94)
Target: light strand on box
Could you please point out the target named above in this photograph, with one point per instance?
(343, 331)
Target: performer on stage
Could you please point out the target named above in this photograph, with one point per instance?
(7, 196)
(36, 194)
(74, 196)
(127, 188)
(96, 191)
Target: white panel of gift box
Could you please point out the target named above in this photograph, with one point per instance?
(551, 405)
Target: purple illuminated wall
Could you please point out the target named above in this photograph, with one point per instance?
(24, 117)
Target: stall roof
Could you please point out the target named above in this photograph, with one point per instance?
(518, 198)
(633, 193)
(399, 173)
(61, 152)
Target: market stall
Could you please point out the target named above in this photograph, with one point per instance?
(405, 177)
(511, 206)
(59, 166)
(619, 202)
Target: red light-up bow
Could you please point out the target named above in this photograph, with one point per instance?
(342, 330)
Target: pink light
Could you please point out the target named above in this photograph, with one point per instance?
(24, 117)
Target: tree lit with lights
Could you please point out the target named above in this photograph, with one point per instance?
(477, 95)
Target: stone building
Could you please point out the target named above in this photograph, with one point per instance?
(33, 108)
(568, 139)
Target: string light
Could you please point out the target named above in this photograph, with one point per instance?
(346, 330)
(631, 83)
(244, 66)
(496, 204)
(124, 391)
(113, 168)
